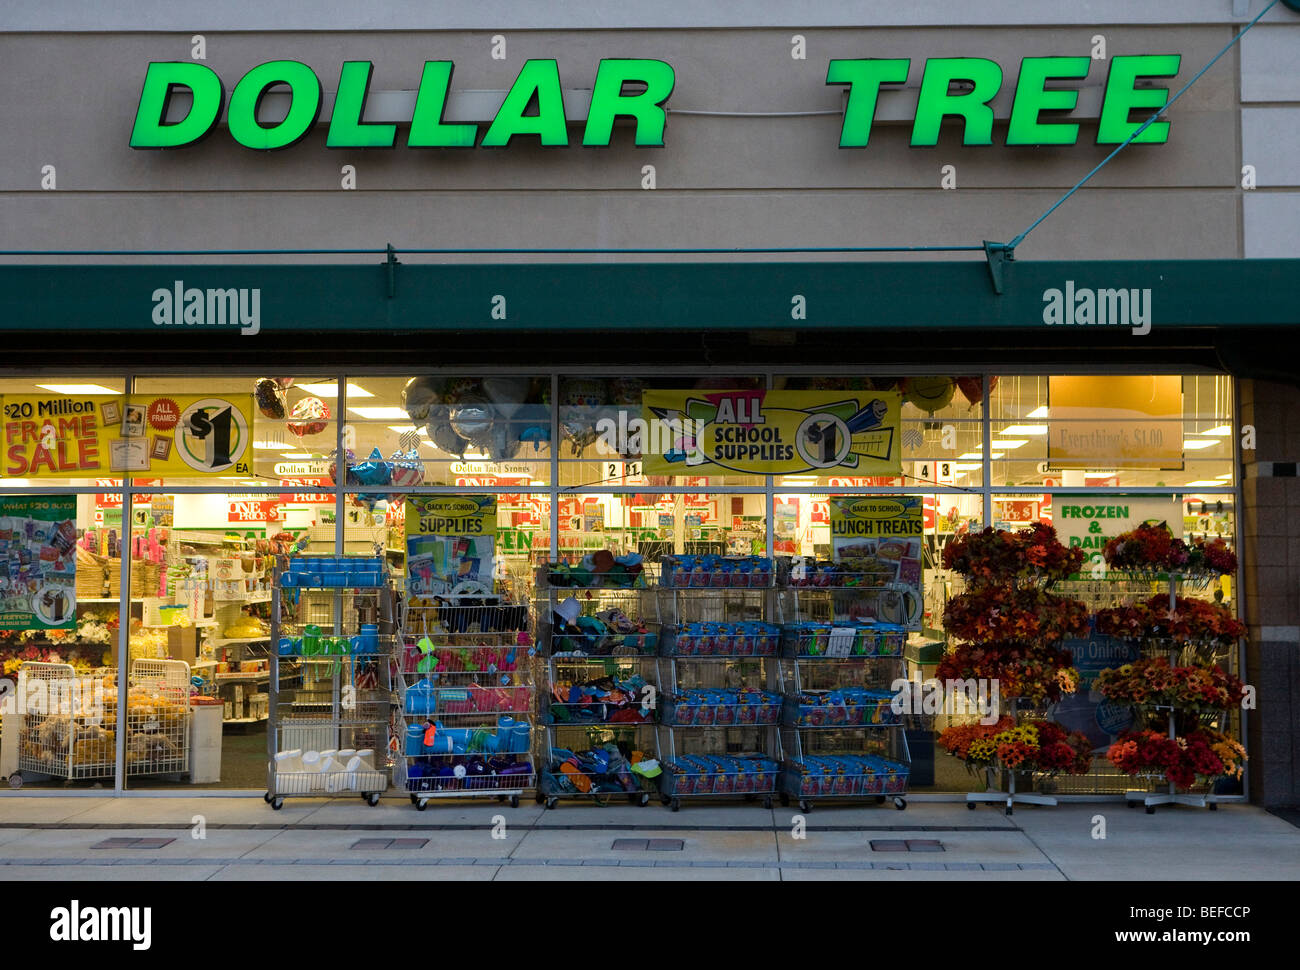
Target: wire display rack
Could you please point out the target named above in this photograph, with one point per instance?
(466, 689)
(68, 724)
(840, 734)
(720, 708)
(597, 713)
(330, 710)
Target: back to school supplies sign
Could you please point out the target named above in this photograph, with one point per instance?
(38, 562)
(771, 432)
(450, 539)
(63, 436)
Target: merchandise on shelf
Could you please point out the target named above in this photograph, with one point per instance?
(1154, 682)
(841, 707)
(610, 633)
(474, 773)
(430, 737)
(334, 571)
(822, 776)
(749, 639)
(598, 569)
(1190, 620)
(855, 639)
(605, 700)
(607, 769)
(716, 572)
(1039, 746)
(721, 707)
(694, 774)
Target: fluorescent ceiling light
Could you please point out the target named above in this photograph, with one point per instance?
(1227, 476)
(1208, 483)
(379, 413)
(1195, 444)
(297, 454)
(78, 388)
(331, 389)
(1021, 429)
(1040, 412)
(976, 455)
(970, 455)
(1222, 431)
(1011, 445)
(962, 466)
(272, 446)
(399, 428)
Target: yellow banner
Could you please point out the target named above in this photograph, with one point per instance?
(1115, 422)
(771, 432)
(180, 435)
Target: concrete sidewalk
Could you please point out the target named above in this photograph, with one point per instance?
(314, 838)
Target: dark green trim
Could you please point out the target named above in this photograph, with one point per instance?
(634, 297)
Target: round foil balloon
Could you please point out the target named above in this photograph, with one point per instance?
(349, 459)
(471, 417)
(270, 398)
(420, 394)
(284, 382)
(309, 416)
(929, 394)
(442, 434)
(505, 443)
(972, 388)
(506, 393)
(408, 470)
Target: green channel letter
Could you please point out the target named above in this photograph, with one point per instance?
(609, 102)
(936, 102)
(1033, 98)
(160, 81)
(538, 80)
(428, 130)
(304, 105)
(864, 77)
(347, 130)
(1123, 97)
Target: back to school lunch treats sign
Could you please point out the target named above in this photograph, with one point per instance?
(771, 432)
(38, 562)
(63, 436)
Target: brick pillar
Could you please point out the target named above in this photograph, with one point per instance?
(1270, 566)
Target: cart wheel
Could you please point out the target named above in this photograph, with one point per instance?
(900, 803)
(1151, 809)
(539, 798)
(372, 798)
(277, 803)
(643, 799)
(805, 806)
(677, 805)
(415, 799)
(552, 802)
(514, 801)
(1011, 810)
(971, 806)
(267, 798)
(1214, 806)
(421, 804)
(767, 802)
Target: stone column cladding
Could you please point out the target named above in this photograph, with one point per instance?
(1270, 577)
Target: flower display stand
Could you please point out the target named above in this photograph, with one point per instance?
(1172, 796)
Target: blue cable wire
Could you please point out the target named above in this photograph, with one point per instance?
(1141, 128)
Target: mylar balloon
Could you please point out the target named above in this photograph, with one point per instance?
(373, 471)
(929, 394)
(506, 393)
(471, 417)
(442, 434)
(420, 394)
(270, 399)
(310, 416)
(972, 388)
(408, 469)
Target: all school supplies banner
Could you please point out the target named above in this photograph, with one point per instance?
(71, 436)
(771, 432)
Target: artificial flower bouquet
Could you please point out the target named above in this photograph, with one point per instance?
(993, 613)
(1152, 549)
(1037, 672)
(1157, 683)
(1038, 746)
(1189, 620)
(1031, 556)
(1201, 753)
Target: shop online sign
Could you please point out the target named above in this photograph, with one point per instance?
(639, 89)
